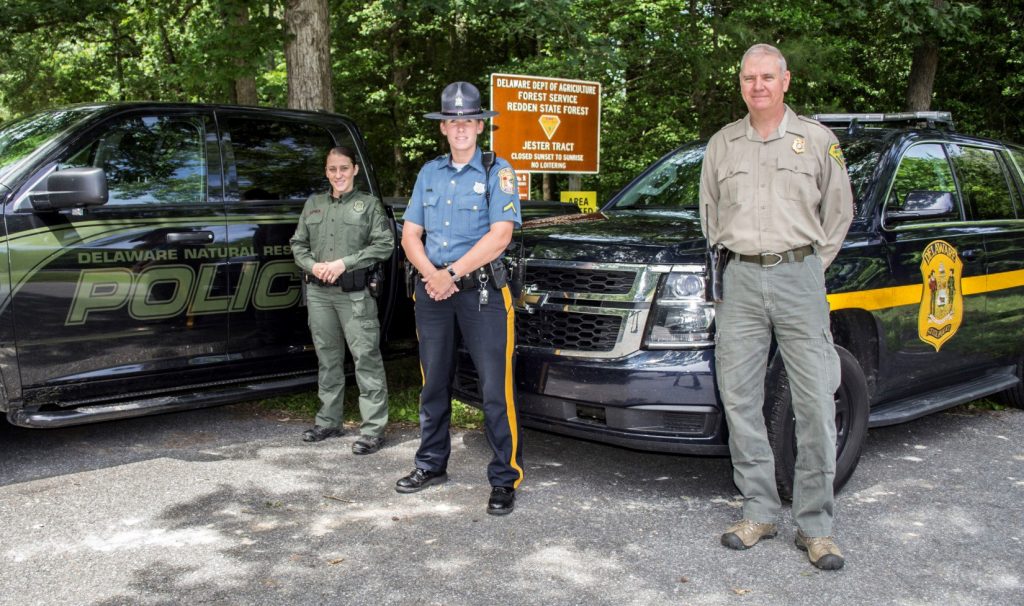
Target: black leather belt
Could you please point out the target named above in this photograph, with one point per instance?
(771, 259)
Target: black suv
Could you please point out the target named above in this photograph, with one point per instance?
(144, 256)
(615, 336)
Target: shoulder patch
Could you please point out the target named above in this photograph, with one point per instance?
(837, 155)
(507, 179)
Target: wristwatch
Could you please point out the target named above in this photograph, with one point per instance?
(451, 272)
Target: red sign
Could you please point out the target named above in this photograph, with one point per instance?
(523, 181)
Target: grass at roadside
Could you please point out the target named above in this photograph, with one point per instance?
(404, 382)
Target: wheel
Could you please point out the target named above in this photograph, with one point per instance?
(1014, 396)
(851, 422)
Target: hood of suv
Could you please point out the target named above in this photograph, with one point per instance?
(626, 236)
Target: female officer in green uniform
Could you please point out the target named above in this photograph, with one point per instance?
(339, 236)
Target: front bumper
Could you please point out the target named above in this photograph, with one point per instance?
(661, 401)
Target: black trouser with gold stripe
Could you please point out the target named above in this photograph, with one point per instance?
(489, 334)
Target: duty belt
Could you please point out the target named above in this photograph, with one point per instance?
(468, 281)
(771, 259)
(349, 281)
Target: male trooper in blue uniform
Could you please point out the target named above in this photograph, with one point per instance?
(468, 211)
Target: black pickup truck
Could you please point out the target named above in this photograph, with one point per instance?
(616, 339)
(144, 257)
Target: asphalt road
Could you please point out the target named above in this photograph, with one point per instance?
(228, 506)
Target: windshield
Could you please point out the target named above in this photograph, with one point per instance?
(21, 137)
(674, 183)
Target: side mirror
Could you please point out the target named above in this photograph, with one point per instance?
(72, 187)
(923, 205)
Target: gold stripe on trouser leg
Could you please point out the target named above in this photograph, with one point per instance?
(510, 405)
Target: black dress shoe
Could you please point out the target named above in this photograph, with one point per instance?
(502, 501)
(367, 445)
(420, 479)
(321, 433)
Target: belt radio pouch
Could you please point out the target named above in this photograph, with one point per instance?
(516, 264)
(717, 258)
(375, 280)
(498, 273)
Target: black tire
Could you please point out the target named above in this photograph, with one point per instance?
(851, 422)
(1014, 397)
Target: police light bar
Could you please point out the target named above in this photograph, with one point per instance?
(933, 118)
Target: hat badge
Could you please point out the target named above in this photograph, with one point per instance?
(458, 99)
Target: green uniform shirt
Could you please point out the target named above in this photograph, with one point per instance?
(353, 228)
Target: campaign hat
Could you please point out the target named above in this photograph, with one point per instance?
(460, 101)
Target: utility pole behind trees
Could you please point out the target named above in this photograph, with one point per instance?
(307, 55)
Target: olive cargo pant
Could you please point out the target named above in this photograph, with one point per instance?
(337, 318)
(788, 299)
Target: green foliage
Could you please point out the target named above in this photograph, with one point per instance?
(668, 68)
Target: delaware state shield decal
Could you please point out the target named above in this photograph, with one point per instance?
(942, 301)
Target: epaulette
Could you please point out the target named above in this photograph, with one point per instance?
(736, 125)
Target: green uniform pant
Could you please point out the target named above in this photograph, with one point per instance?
(337, 318)
(789, 300)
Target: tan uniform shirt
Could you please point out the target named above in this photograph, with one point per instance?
(772, 195)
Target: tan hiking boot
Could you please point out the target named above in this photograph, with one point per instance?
(746, 533)
(821, 551)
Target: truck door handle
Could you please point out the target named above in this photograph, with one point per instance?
(189, 237)
(969, 255)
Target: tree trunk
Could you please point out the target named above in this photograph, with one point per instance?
(307, 55)
(922, 76)
(244, 86)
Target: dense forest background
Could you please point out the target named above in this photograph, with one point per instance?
(668, 67)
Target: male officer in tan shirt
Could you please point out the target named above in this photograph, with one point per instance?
(775, 192)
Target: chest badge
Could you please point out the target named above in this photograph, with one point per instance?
(479, 187)
(359, 206)
(942, 301)
(799, 145)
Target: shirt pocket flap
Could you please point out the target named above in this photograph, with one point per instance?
(795, 163)
(735, 169)
(314, 218)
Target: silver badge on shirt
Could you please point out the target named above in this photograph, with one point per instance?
(478, 187)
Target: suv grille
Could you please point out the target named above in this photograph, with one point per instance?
(567, 330)
(570, 279)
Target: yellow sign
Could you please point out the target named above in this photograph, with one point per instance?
(546, 125)
(586, 200)
(942, 301)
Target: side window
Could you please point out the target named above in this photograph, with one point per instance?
(923, 174)
(279, 159)
(983, 183)
(149, 160)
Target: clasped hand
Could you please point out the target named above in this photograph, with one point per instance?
(329, 271)
(440, 285)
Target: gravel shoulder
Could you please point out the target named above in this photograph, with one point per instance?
(227, 505)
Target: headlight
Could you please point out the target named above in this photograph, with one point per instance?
(680, 317)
